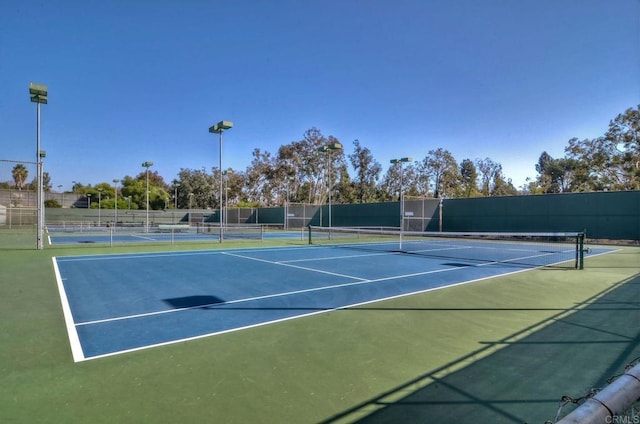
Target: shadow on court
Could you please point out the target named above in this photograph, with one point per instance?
(521, 379)
(187, 302)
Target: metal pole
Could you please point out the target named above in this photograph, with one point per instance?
(330, 190)
(175, 196)
(221, 206)
(39, 188)
(226, 199)
(401, 205)
(146, 225)
(440, 215)
(115, 220)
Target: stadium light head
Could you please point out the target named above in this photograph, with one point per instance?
(38, 93)
(221, 126)
(330, 147)
(147, 164)
(394, 161)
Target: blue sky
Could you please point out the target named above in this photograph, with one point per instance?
(135, 81)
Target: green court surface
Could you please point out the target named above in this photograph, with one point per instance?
(500, 350)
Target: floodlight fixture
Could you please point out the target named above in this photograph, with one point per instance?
(221, 126)
(38, 93)
(402, 160)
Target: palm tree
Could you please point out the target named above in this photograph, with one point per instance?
(20, 174)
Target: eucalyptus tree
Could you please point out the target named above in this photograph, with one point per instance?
(259, 178)
(488, 171)
(441, 168)
(624, 134)
(367, 171)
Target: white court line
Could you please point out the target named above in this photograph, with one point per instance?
(370, 254)
(354, 305)
(294, 292)
(77, 349)
(116, 256)
(74, 340)
(268, 296)
(294, 266)
(143, 237)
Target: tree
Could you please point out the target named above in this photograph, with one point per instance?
(137, 187)
(469, 178)
(624, 134)
(389, 185)
(46, 183)
(488, 169)
(441, 167)
(557, 175)
(333, 167)
(503, 187)
(196, 188)
(367, 173)
(259, 176)
(20, 174)
(344, 191)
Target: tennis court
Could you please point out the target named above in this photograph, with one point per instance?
(121, 303)
(105, 235)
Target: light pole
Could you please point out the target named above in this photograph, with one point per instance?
(226, 194)
(39, 95)
(115, 221)
(401, 196)
(328, 149)
(219, 128)
(288, 179)
(175, 194)
(129, 199)
(147, 165)
(62, 192)
(88, 200)
(99, 204)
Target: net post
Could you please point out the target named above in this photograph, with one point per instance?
(309, 233)
(576, 262)
(581, 248)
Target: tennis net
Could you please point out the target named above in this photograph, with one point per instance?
(557, 249)
(233, 231)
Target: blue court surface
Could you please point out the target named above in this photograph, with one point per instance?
(122, 303)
